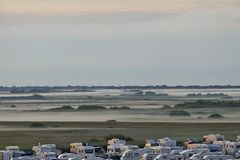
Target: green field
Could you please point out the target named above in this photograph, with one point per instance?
(63, 133)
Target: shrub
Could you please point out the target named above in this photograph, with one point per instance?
(179, 113)
(91, 107)
(215, 115)
(166, 107)
(37, 125)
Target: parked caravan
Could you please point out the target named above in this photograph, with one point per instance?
(114, 147)
(5, 155)
(167, 142)
(213, 137)
(15, 151)
(127, 147)
(197, 146)
(74, 146)
(218, 157)
(190, 141)
(151, 143)
(87, 150)
(166, 157)
(215, 147)
(222, 145)
(135, 154)
(162, 150)
(46, 150)
(232, 148)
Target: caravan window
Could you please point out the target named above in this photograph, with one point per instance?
(117, 150)
(88, 151)
(238, 146)
(136, 154)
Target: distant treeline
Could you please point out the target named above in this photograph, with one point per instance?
(44, 89)
(84, 108)
(33, 97)
(208, 104)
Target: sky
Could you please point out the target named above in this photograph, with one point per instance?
(119, 42)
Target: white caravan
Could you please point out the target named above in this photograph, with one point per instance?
(127, 147)
(167, 142)
(87, 151)
(135, 154)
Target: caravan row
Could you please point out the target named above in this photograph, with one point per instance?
(212, 147)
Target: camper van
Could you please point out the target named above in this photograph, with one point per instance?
(135, 154)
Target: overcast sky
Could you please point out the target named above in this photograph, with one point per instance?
(119, 42)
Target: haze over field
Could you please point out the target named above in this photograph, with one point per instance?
(127, 42)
